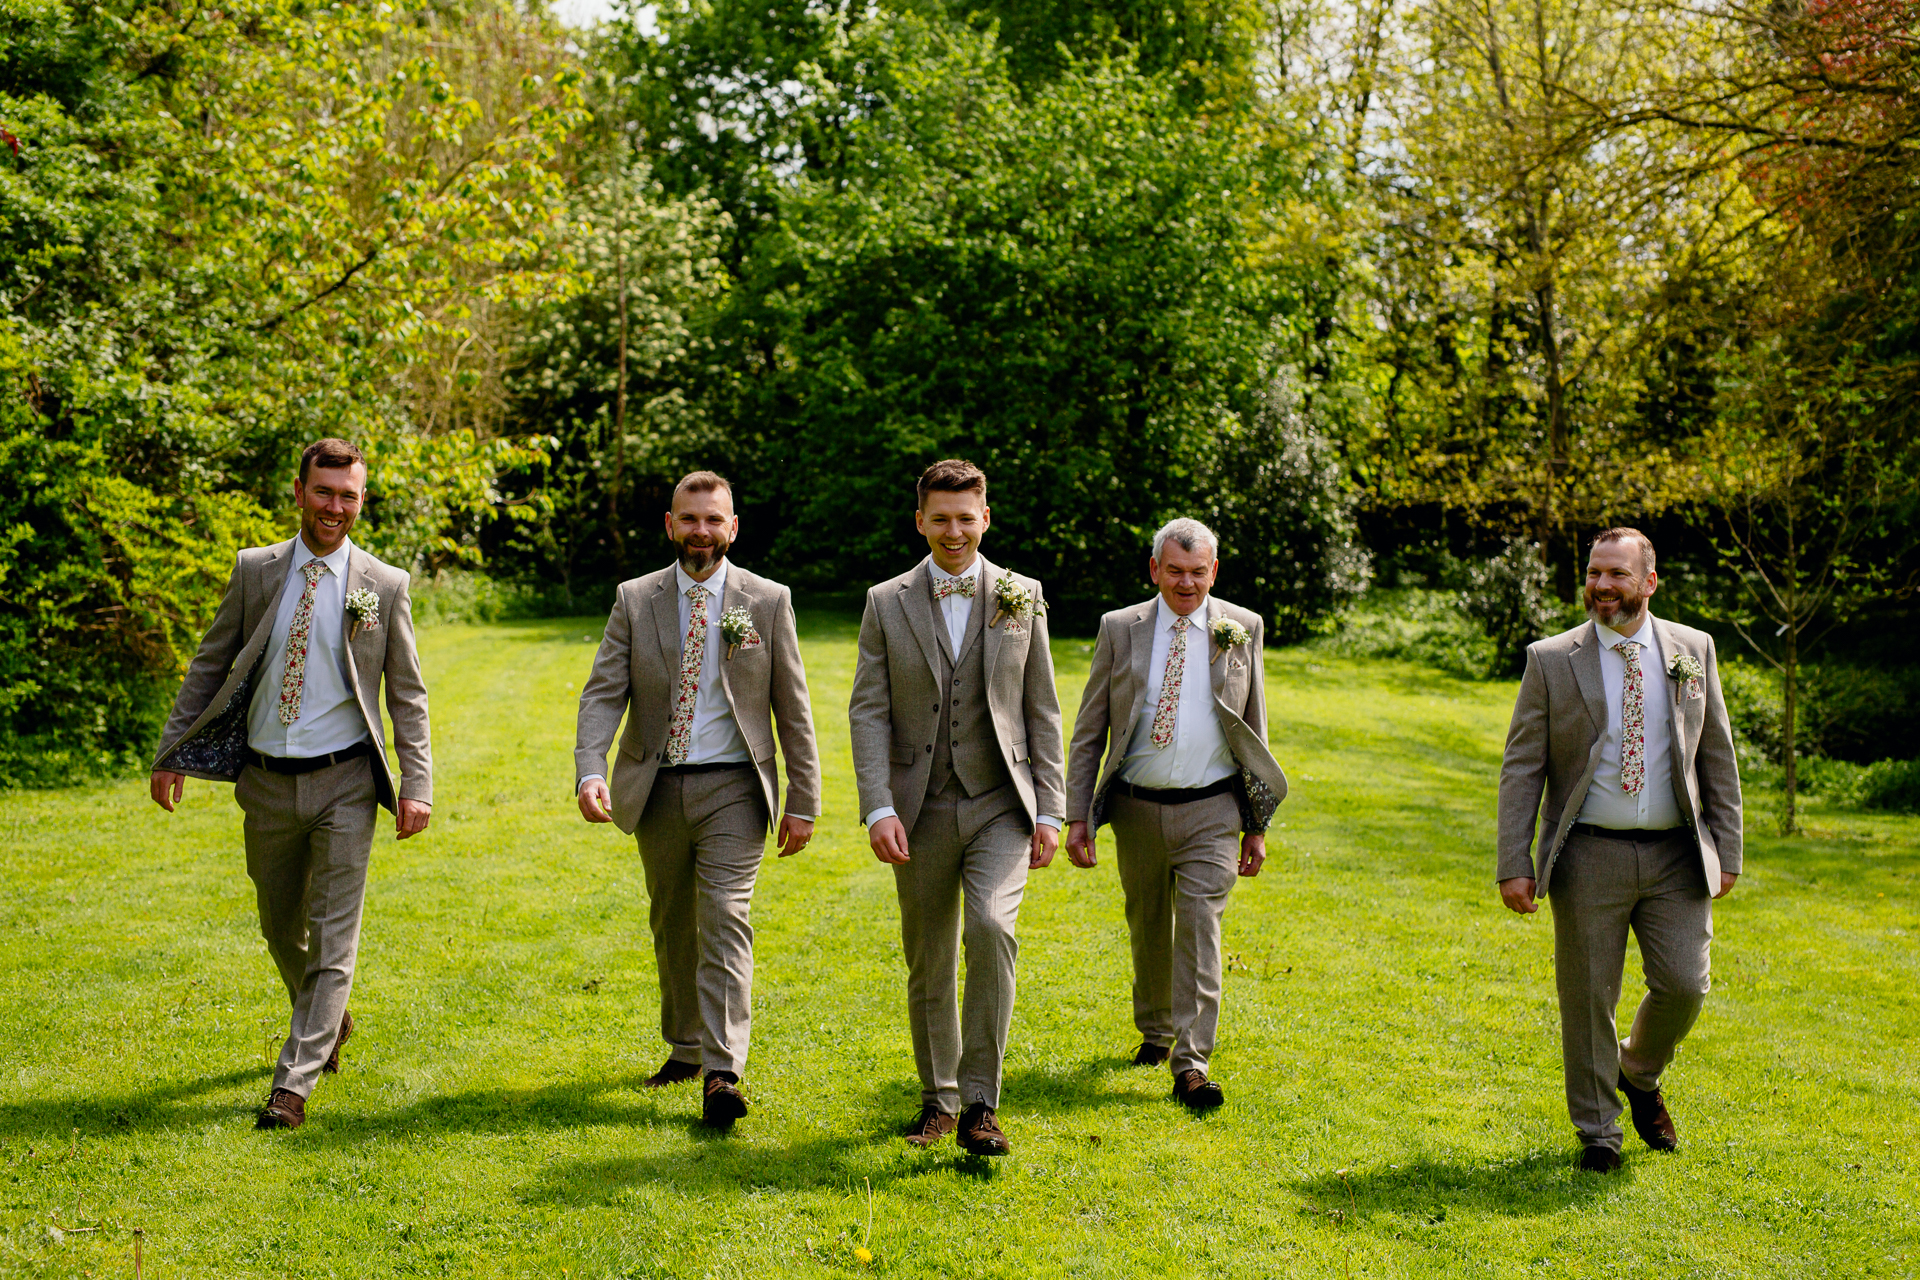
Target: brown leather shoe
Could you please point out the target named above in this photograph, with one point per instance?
(724, 1102)
(1150, 1055)
(1650, 1118)
(673, 1071)
(933, 1125)
(1599, 1160)
(979, 1132)
(346, 1034)
(285, 1109)
(1196, 1091)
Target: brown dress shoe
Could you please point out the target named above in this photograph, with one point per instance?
(1196, 1091)
(980, 1132)
(285, 1109)
(724, 1102)
(673, 1071)
(933, 1125)
(1150, 1055)
(346, 1034)
(1650, 1118)
(1599, 1160)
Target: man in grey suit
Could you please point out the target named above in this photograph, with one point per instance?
(1189, 786)
(956, 747)
(283, 700)
(1621, 729)
(701, 658)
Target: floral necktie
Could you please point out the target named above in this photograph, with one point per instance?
(948, 586)
(1169, 709)
(1633, 721)
(693, 656)
(294, 678)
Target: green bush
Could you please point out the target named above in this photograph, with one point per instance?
(460, 595)
(1850, 713)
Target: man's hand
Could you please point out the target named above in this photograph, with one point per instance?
(1045, 840)
(596, 801)
(1517, 893)
(1726, 883)
(1253, 852)
(1080, 850)
(166, 787)
(889, 840)
(794, 834)
(412, 818)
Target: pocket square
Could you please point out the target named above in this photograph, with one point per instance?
(1234, 664)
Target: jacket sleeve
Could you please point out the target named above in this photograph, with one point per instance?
(1046, 753)
(1090, 730)
(603, 699)
(1717, 770)
(1523, 774)
(407, 703)
(870, 715)
(208, 670)
(793, 711)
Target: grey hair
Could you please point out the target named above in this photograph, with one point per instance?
(1185, 532)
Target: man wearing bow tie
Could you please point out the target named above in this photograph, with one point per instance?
(1620, 749)
(956, 747)
(701, 658)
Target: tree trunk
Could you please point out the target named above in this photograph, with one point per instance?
(1789, 748)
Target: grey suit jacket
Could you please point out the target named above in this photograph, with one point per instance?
(637, 674)
(897, 681)
(206, 736)
(1553, 747)
(1117, 685)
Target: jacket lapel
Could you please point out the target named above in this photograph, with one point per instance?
(984, 578)
(1670, 648)
(1586, 673)
(1219, 669)
(1140, 641)
(733, 597)
(916, 601)
(666, 624)
(272, 584)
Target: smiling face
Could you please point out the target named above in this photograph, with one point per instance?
(1184, 577)
(952, 524)
(329, 500)
(703, 527)
(1619, 584)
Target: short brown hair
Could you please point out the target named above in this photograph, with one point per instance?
(951, 475)
(701, 482)
(329, 453)
(1622, 533)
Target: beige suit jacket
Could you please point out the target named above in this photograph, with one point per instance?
(1553, 747)
(636, 674)
(1118, 684)
(206, 736)
(896, 696)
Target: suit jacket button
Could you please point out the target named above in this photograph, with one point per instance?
(929, 748)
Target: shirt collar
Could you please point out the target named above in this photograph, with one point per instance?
(336, 560)
(941, 575)
(1197, 618)
(1612, 639)
(716, 582)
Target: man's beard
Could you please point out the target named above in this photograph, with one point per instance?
(1613, 614)
(700, 559)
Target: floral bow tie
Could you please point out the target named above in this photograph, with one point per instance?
(948, 586)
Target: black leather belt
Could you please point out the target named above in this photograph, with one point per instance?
(706, 768)
(1175, 795)
(307, 764)
(1639, 835)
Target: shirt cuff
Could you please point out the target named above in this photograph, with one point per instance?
(885, 811)
(800, 817)
(1046, 820)
(592, 777)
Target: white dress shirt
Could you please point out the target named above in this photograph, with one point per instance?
(956, 610)
(1607, 805)
(330, 718)
(1198, 754)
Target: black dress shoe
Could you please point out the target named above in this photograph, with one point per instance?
(979, 1132)
(1599, 1160)
(1150, 1055)
(1193, 1089)
(724, 1103)
(332, 1063)
(1650, 1118)
(933, 1125)
(672, 1071)
(285, 1109)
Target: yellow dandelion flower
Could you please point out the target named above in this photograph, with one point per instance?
(865, 1255)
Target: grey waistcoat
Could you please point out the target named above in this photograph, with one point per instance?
(969, 752)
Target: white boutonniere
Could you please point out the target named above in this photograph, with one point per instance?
(1226, 633)
(365, 608)
(736, 628)
(1686, 667)
(1012, 601)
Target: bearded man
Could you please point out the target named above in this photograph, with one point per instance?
(283, 700)
(1621, 729)
(702, 658)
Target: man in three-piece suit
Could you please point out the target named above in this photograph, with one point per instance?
(956, 748)
(283, 700)
(1176, 701)
(702, 658)
(1620, 727)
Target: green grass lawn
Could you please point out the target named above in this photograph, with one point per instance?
(1389, 1045)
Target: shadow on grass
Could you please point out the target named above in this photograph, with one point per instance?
(1386, 1199)
(164, 1106)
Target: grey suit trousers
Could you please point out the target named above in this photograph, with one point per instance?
(1601, 888)
(309, 838)
(1178, 863)
(972, 849)
(701, 838)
